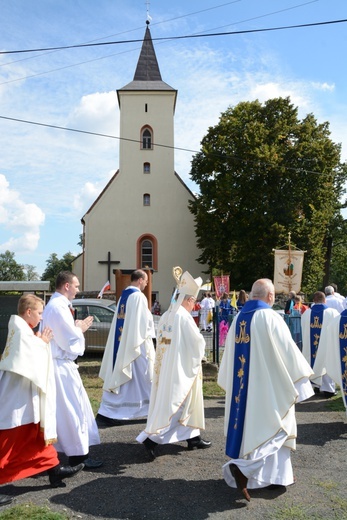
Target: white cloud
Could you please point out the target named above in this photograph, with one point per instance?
(324, 86)
(21, 220)
(89, 192)
(97, 113)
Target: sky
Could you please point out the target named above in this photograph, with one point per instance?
(50, 177)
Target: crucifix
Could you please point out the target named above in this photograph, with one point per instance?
(109, 262)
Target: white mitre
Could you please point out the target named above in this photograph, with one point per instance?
(186, 286)
(189, 286)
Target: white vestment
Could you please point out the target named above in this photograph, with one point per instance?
(127, 384)
(278, 378)
(326, 383)
(206, 304)
(176, 408)
(27, 386)
(76, 426)
(328, 360)
(333, 302)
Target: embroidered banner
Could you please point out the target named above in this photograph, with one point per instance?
(221, 285)
(288, 270)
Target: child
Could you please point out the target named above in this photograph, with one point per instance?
(27, 400)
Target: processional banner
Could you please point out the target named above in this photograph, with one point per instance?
(221, 285)
(288, 270)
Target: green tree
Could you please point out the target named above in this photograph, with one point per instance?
(262, 172)
(30, 273)
(81, 241)
(10, 270)
(55, 265)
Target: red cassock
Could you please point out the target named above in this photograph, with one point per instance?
(23, 453)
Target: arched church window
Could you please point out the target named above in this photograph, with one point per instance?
(146, 167)
(147, 252)
(146, 199)
(146, 138)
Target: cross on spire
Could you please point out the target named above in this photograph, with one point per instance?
(148, 20)
(109, 262)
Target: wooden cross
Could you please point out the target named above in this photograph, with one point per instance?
(109, 262)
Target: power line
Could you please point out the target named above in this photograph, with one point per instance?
(96, 134)
(172, 38)
(132, 30)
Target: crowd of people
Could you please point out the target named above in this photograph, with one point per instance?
(45, 409)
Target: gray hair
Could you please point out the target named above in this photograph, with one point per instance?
(329, 290)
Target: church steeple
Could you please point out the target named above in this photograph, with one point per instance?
(147, 67)
(147, 74)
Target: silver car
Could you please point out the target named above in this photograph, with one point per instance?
(102, 311)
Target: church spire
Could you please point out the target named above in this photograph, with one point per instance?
(147, 67)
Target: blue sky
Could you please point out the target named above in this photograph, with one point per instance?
(50, 177)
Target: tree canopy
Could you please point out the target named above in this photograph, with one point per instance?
(263, 172)
(55, 265)
(10, 270)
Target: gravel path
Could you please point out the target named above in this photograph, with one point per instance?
(188, 484)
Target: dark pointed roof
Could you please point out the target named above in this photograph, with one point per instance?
(147, 67)
(147, 74)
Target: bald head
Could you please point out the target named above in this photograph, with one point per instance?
(264, 290)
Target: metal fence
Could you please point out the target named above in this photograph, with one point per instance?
(216, 338)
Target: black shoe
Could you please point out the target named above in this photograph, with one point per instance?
(5, 499)
(57, 474)
(103, 421)
(198, 443)
(92, 463)
(150, 446)
(329, 395)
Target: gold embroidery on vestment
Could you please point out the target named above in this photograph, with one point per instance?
(243, 337)
(8, 345)
(121, 314)
(240, 374)
(315, 344)
(316, 324)
(343, 335)
(344, 374)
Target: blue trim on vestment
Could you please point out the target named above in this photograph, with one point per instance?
(241, 374)
(316, 322)
(121, 311)
(343, 351)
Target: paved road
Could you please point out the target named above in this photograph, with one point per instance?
(188, 484)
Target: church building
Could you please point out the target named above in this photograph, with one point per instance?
(141, 218)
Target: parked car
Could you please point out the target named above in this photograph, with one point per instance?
(102, 311)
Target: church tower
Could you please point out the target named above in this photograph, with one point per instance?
(141, 219)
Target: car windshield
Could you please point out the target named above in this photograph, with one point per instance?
(100, 314)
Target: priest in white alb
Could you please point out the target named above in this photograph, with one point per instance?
(127, 364)
(331, 358)
(314, 322)
(264, 374)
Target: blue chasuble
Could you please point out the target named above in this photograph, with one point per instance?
(316, 322)
(120, 320)
(343, 351)
(241, 374)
